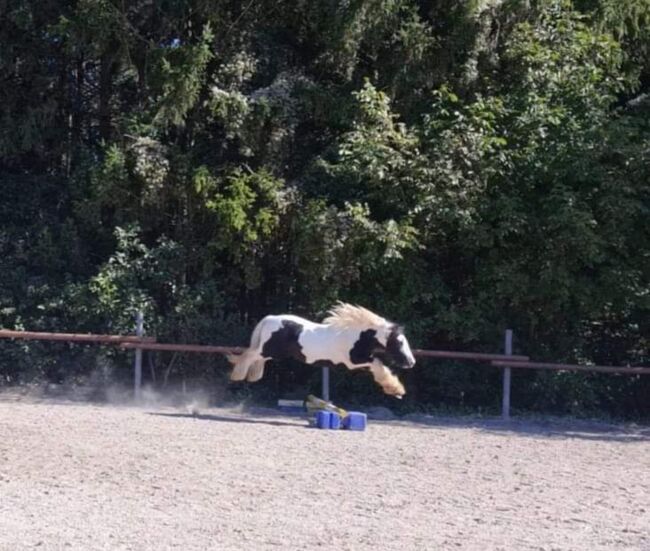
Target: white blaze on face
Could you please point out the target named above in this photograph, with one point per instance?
(406, 349)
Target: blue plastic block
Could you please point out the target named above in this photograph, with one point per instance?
(323, 419)
(335, 421)
(355, 421)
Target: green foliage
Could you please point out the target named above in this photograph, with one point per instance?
(181, 78)
(459, 167)
(246, 208)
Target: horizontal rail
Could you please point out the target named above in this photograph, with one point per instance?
(573, 367)
(149, 343)
(477, 356)
(74, 337)
(198, 348)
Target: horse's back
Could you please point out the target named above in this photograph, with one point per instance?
(291, 335)
(276, 320)
(288, 325)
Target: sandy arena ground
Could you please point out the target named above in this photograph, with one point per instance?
(84, 476)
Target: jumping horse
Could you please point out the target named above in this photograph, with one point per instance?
(351, 335)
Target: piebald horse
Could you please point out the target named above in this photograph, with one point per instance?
(350, 335)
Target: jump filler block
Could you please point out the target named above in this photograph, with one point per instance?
(329, 416)
(354, 420)
(324, 419)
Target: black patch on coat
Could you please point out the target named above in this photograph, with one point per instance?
(324, 363)
(364, 349)
(284, 343)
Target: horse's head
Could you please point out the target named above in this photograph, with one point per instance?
(378, 338)
(397, 349)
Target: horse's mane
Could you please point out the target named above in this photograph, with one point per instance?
(349, 316)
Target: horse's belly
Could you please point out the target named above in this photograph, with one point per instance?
(317, 346)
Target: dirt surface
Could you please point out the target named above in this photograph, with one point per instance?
(83, 476)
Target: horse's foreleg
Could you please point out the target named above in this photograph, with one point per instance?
(387, 380)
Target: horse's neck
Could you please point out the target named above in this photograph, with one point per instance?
(350, 333)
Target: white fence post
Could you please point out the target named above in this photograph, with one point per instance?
(137, 383)
(326, 384)
(505, 410)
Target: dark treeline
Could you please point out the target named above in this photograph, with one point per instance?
(461, 167)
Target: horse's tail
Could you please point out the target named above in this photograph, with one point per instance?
(242, 362)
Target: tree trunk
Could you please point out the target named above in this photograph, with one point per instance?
(105, 94)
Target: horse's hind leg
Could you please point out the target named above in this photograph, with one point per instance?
(241, 365)
(256, 370)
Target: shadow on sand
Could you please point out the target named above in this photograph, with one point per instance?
(551, 427)
(527, 427)
(554, 427)
(247, 419)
